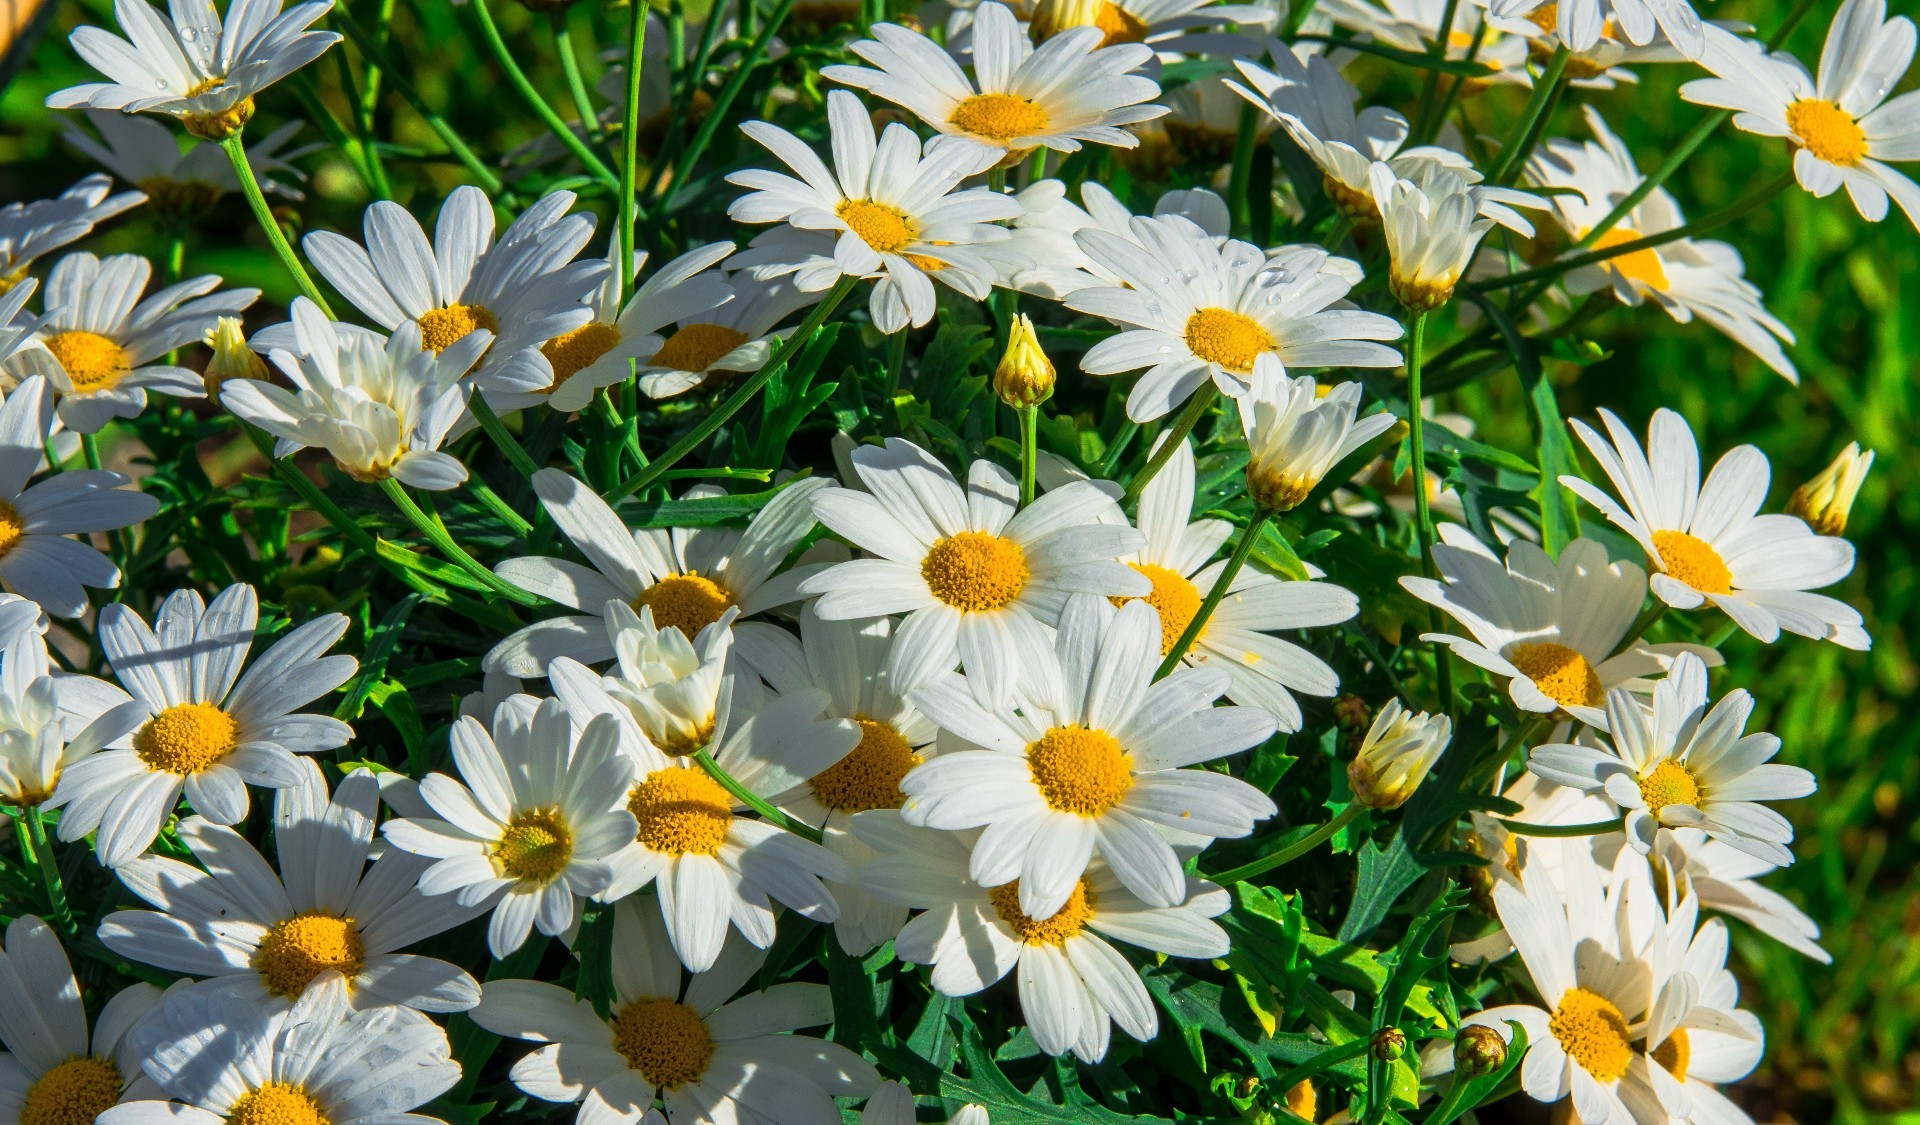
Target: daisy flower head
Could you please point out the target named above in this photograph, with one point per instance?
(1678, 764)
(1074, 985)
(976, 581)
(1398, 751)
(266, 934)
(55, 1069)
(683, 1041)
(1068, 92)
(534, 823)
(317, 1061)
(211, 728)
(99, 342)
(1550, 627)
(48, 721)
(1412, 25)
(1169, 27)
(1708, 541)
(1826, 501)
(525, 287)
(1090, 761)
(883, 211)
(1044, 233)
(1582, 24)
(670, 686)
(1841, 124)
(184, 186)
(1296, 435)
(29, 231)
(1602, 65)
(1192, 311)
(381, 406)
(1725, 880)
(193, 65)
(688, 577)
(735, 338)
(1433, 229)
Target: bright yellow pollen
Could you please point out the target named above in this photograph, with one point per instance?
(277, 1103)
(572, 352)
(886, 229)
(665, 1041)
(926, 262)
(1173, 596)
(1079, 770)
(975, 571)
(1065, 922)
(1120, 25)
(11, 528)
(681, 812)
(537, 845)
(92, 362)
(1546, 17)
(72, 1093)
(869, 776)
(1675, 1054)
(1693, 561)
(186, 738)
(687, 602)
(9, 280)
(1000, 117)
(442, 328)
(1561, 673)
(1827, 131)
(1642, 266)
(1670, 783)
(1594, 1034)
(697, 347)
(300, 948)
(1227, 338)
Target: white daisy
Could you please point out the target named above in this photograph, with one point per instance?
(976, 581)
(193, 65)
(1070, 91)
(1602, 64)
(1073, 984)
(1842, 126)
(184, 186)
(1581, 24)
(685, 1045)
(48, 719)
(534, 823)
(29, 231)
(1044, 233)
(1433, 228)
(1725, 880)
(1412, 25)
(1295, 435)
(882, 212)
(98, 343)
(1551, 628)
(1708, 541)
(668, 685)
(212, 729)
(1192, 311)
(318, 1061)
(688, 577)
(54, 1069)
(381, 406)
(265, 934)
(735, 338)
(1679, 765)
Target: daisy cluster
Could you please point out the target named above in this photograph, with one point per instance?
(454, 761)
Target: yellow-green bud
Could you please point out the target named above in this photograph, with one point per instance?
(1389, 1044)
(1479, 1050)
(1826, 500)
(1025, 375)
(232, 359)
(1394, 758)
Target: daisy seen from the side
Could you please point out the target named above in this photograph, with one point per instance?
(732, 339)
(1433, 228)
(1581, 24)
(1296, 435)
(181, 184)
(49, 719)
(32, 230)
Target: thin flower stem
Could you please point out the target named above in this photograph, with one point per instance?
(630, 140)
(1240, 178)
(1682, 151)
(1647, 619)
(496, 431)
(1235, 561)
(501, 510)
(742, 70)
(537, 102)
(1597, 828)
(570, 66)
(1533, 119)
(60, 914)
(1182, 426)
(437, 534)
(243, 171)
(1029, 451)
(1430, 87)
(375, 54)
(1422, 510)
(1290, 853)
(754, 801)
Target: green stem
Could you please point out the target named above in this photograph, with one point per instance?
(1029, 451)
(1682, 151)
(1241, 175)
(1182, 426)
(1598, 828)
(176, 253)
(1422, 511)
(534, 99)
(630, 138)
(570, 66)
(1290, 853)
(61, 915)
(249, 186)
(437, 534)
(375, 55)
(742, 70)
(1235, 561)
(496, 431)
(1648, 617)
(1546, 91)
(753, 800)
(502, 511)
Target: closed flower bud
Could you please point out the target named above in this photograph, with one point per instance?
(1025, 375)
(1825, 501)
(1479, 1050)
(1399, 749)
(1351, 713)
(1389, 1044)
(232, 359)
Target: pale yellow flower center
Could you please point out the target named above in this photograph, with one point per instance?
(886, 229)
(1176, 599)
(1594, 1033)
(687, 602)
(442, 328)
(1670, 783)
(975, 571)
(1561, 673)
(537, 846)
(869, 776)
(12, 529)
(697, 347)
(1693, 561)
(666, 1042)
(573, 352)
(1827, 131)
(277, 1103)
(1227, 338)
(1080, 770)
(1643, 266)
(72, 1093)
(681, 812)
(300, 948)
(1675, 1054)
(1000, 117)
(92, 362)
(186, 738)
(1063, 924)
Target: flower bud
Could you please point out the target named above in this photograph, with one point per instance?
(1479, 1050)
(232, 359)
(1825, 501)
(1025, 375)
(1399, 749)
(1389, 1044)
(1351, 713)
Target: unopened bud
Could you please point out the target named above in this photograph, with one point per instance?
(1825, 501)
(232, 359)
(1025, 375)
(1389, 1044)
(1351, 713)
(1394, 758)
(1479, 1050)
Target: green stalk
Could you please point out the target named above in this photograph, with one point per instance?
(502, 511)
(250, 187)
(1029, 451)
(1430, 86)
(1235, 561)
(496, 431)
(570, 66)
(753, 800)
(437, 534)
(630, 139)
(375, 55)
(1182, 426)
(744, 68)
(1598, 828)
(1422, 512)
(1288, 854)
(1682, 151)
(1244, 142)
(1546, 91)
(47, 864)
(537, 102)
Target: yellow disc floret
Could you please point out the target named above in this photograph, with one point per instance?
(1693, 560)
(681, 812)
(1827, 131)
(1561, 673)
(277, 1103)
(1641, 266)
(1065, 922)
(300, 948)
(1594, 1034)
(869, 776)
(1675, 1054)
(1176, 599)
(1670, 783)
(1000, 117)
(442, 328)
(92, 361)
(72, 1093)
(886, 229)
(1080, 770)
(697, 347)
(12, 529)
(537, 845)
(1230, 339)
(975, 571)
(687, 602)
(186, 738)
(573, 352)
(665, 1041)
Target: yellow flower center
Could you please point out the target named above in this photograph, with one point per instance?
(687, 602)
(1827, 131)
(186, 738)
(975, 571)
(1064, 923)
(681, 812)
(277, 1103)
(1355, 203)
(697, 347)
(1546, 17)
(1116, 23)
(1227, 338)
(1675, 1054)
(1594, 1034)
(666, 1042)
(300, 948)
(1670, 783)
(92, 362)
(1642, 266)
(537, 845)
(9, 280)
(869, 776)
(72, 1093)
(572, 352)
(1173, 596)
(1079, 770)
(926, 262)
(220, 124)
(886, 229)
(1000, 117)
(1693, 561)
(11, 528)
(442, 328)
(1561, 673)
(1276, 488)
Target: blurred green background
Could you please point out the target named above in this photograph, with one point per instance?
(1842, 1042)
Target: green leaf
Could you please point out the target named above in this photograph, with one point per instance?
(986, 1085)
(1385, 875)
(1559, 521)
